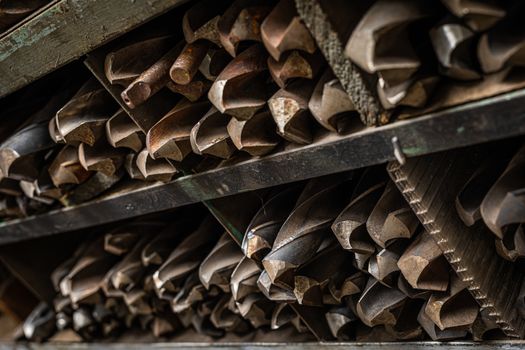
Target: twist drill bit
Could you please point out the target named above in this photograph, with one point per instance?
(512, 246)
(272, 291)
(266, 223)
(150, 81)
(200, 21)
(346, 283)
(121, 240)
(170, 136)
(408, 326)
(341, 321)
(210, 135)
(453, 43)
(40, 324)
(454, 308)
(53, 131)
(504, 43)
(223, 318)
(193, 91)
(121, 131)
(83, 118)
(159, 248)
(162, 326)
(307, 226)
(478, 15)
(186, 257)
(187, 63)
(484, 328)
(283, 30)
(289, 108)
(66, 168)
(412, 293)
(137, 302)
(214, 62)
(242, 22)
(329, 103)
(191, 292)
(383, 265)
(216, 268)
(101, 157)
(282, 315)
(125, 64)
(256, 309)
(423, 264)
(294, 65)
(414, 92)
(130, 163)
(240, 88)
(129, 271)
(379, 304)
(154, 169)
(504, 203)
(244, 279)
(391, 218)
(255, 136)
(434, 332)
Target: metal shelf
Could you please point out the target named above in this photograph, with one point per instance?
(65, 31)
(477, 122)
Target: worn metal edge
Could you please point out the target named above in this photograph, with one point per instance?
(477, 122)
(66, 31)
(507, 345)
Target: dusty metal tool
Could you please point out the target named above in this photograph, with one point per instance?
(223, 318)
(200, 21)
(478, 15)
(423, 265)
(217, 267)
(289, 108)
(274, 292)
(137, 302)
(284, 314)
(66, 168)
(191, 292)
(101, 157)
(414, 92)
(121, 131)
(283, 30)
(13, 11)
(512, 246)
(214, 62)
(391, 218)
(128, 273)
(341, 321)
(91, 188)
(407, 327)
(186, 257)
(256, 309)
(241, 22)
(240, 89)
(504, 203)
(453, 44)
(153, 169)
(40, 324)
(295, 65)
(345, 283)
(266, 223)
(162, 244)
(243, 281)
(379, 304)
(437, 334)
(188, 61)
(132, 169)
(256, 135)
(121, 240)
(150, 81)
(125, 64)
(307, 226)
(430, 184)
(193, 91)
(454, 308)
(210, 135)
(83, 118)
(170, 136)
(383, 265)
(329, 102)
(484, 328)
(503, 44)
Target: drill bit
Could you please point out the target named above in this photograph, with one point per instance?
(295, 65)
(478, 15)
(121, 240)
(243, 280)
(194, 90)
(341, 321)
(214, 62)
(210, 135)
(121, 131)
(101, 157)
(283, 30)
(160, 247)
(256, 136)
(512, 246)
(66, 168)
(383, 265)
(200, 21)
(129, 271)
(240, 88)
(154, 169)
(188, 61)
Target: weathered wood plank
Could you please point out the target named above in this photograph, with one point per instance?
(66, 31)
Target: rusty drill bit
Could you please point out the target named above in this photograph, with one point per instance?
(266, 223)
(484, 328)
(242, 22)
(423, 264)
(244, 279)
(329, 102)
(379, 304)
(504, 205)
(154, 169)
(121, 240)
(126, 63)
(408, 326)
(200, 21)
(289, 108)
(256, 135)
(66, 168)
(512, 246)
(240, 88)
(452, 44)
(191, 292)
(256, 309)
(121, 131)
(346, 283)
(83, 118)
(295, 65)
(214, 62)
(150, 81)
(437, 334)
(223, 318)
(391, 218)
(414, 92)
(210, 135)
(412, 293)
(170, 136)
(137, 302)
(454, 308)
(383, 265)
(101, 157)
(187, 63)
(193, 91)
(283, 30)
(478, 15)
(341, 321)
(272, 291)
(217, 267)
